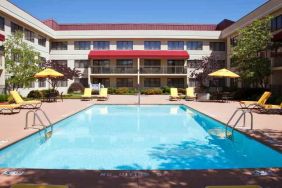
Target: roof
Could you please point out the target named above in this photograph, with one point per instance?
(153, 54)
(129, 26)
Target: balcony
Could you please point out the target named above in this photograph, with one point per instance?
(113, 70)
(143, 70)
(163, 70)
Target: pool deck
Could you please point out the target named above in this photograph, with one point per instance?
(267, 128)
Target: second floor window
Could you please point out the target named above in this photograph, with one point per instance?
(41, 41)
(152, 45)
(16, 27)
(175, 45)
(81, 63)
(124, 63)
(61, 62)
(29, 35)
(59, 46)
(124, 45)
(195, 45)
(101, 45)
(82, 45)
(233, 41)
(2, 23)
(217, 46)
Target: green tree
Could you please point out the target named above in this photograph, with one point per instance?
(249, 55)
(21, 61)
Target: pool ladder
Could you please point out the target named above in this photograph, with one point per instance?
(243, 112)
(47, 134)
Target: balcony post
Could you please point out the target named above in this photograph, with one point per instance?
(138, 79)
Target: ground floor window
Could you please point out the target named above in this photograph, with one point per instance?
(30, 85)
(193, 82)
(62, 83)
(124, 82)
(175, 82)
(152, 82)
(42, 83)
(103, 81)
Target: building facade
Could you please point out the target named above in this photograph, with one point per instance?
(123, 55)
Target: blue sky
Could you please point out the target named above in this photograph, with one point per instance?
(138, 11)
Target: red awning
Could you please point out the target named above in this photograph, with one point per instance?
(153, 54)
(2, 37)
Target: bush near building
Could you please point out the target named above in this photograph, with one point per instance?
(76, 88)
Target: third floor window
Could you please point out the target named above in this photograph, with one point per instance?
(175, 45)
(217, 46)
(59, 46)
(276, 23)
(101, 45)
(152, 45)
(41, 40)
(29, 35)
(2, 23)
(16, 27)
(124, 45)
(82, 45)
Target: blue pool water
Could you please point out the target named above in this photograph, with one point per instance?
(128, 137)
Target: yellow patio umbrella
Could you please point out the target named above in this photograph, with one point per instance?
(224, 73)
(48, 73)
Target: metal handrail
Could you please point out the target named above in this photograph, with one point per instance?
(243, 111)
(36, 116)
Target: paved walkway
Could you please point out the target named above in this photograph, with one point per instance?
(268, 128)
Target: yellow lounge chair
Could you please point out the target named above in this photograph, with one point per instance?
(190, 93)
(174, 94)
(9, 108)
(87, 94)
(18, 99)
(38, 186)
(260, 102)
(103, 94)
(270, 108)
(235, 186)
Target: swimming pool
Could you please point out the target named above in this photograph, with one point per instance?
(129, 137)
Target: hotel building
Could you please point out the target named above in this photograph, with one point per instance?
(123, 55)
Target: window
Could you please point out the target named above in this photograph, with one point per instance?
(195, 45)
(276, 23)
(175, 45)
(152, 82)
(81, 63)
(101, 62)
(152, 45)
(42, 83)
(41, 40)
(193, 82)
(151, 66)
(16, 27)
(175, 82)
(152, 62)
(59, 46)
(101, 66)
(101, 45)
(220, 64)
(194, 63)
(217, 46)
(124, 63)
(124, 82)
(30, 85)
(103, 81)
(124, 45)
(2, 23)
(62, 83)
(29, 35)
(82, 45)
(61, 62)
(233, 41)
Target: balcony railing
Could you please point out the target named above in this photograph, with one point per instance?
(163, 70)
(143, 70)
(113, 70)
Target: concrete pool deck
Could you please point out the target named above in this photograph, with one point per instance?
(267, 128)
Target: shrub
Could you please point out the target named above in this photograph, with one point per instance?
(47, 92)
(165, 89)
(248, 93)
(122, 90)
(3, 98)
(182, 91)
(76, 88)
(152, 91)
(111, 90)
(35, 94)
